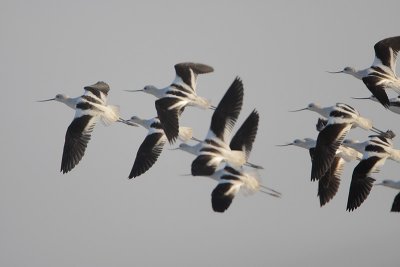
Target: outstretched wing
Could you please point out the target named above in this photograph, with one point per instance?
(224, 192)
(76, 139)
(362, 182)
(168, 111)
(386, 51)
(227, 111)
(187, 73)
(148, 153)
(245, 136)
(328, 141)
(396, 204)
(376, 86)
(328, 184)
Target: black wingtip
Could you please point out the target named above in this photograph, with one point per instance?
(396, 204)
(327, 189)
(358, 193)
(220, 199)
(147, 154)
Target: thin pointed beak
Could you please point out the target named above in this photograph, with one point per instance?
(195, 139)
(289, 144)
(361, 97)
(51, 99)
(133, 91)
(128, 122)
(376, 130)
(335, 71)
(298, 110)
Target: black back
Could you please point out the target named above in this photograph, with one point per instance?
(201, 166)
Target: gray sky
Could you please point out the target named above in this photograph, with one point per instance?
(95, 216)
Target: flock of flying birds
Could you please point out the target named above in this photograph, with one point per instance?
(223, 157)
(331, 149)
(219, 156)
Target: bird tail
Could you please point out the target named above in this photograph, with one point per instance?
(251, 183)
(365, 123)
(238, 158)
(110, 115)
(202, 102)
(185, 133)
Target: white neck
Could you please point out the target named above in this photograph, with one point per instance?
(320, 110)
(359, 74)
(306, 144)
(152, 90)
(69, 101)
(391, 184)
(190, 149)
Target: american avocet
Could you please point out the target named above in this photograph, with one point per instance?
(382, 74)
(394, 102)
(152, 145)
(230, 181)
(215, 149)
(89, 108)
(341, 118)
(175, 97)
(328, 184)
(242, 140)
(375, 152)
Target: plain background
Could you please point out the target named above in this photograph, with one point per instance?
(96, 216)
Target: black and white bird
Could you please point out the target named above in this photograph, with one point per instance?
(394, 102)
(90, 107)
(242, 140)
(394, 185)
(230, 181)
(326, 112)
(375, 152)
(215, 148)
(341, 118)
(382, 74)
(153, 144)
(328, 184)
(173, 99)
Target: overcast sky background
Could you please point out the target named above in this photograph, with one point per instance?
(96, 216)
